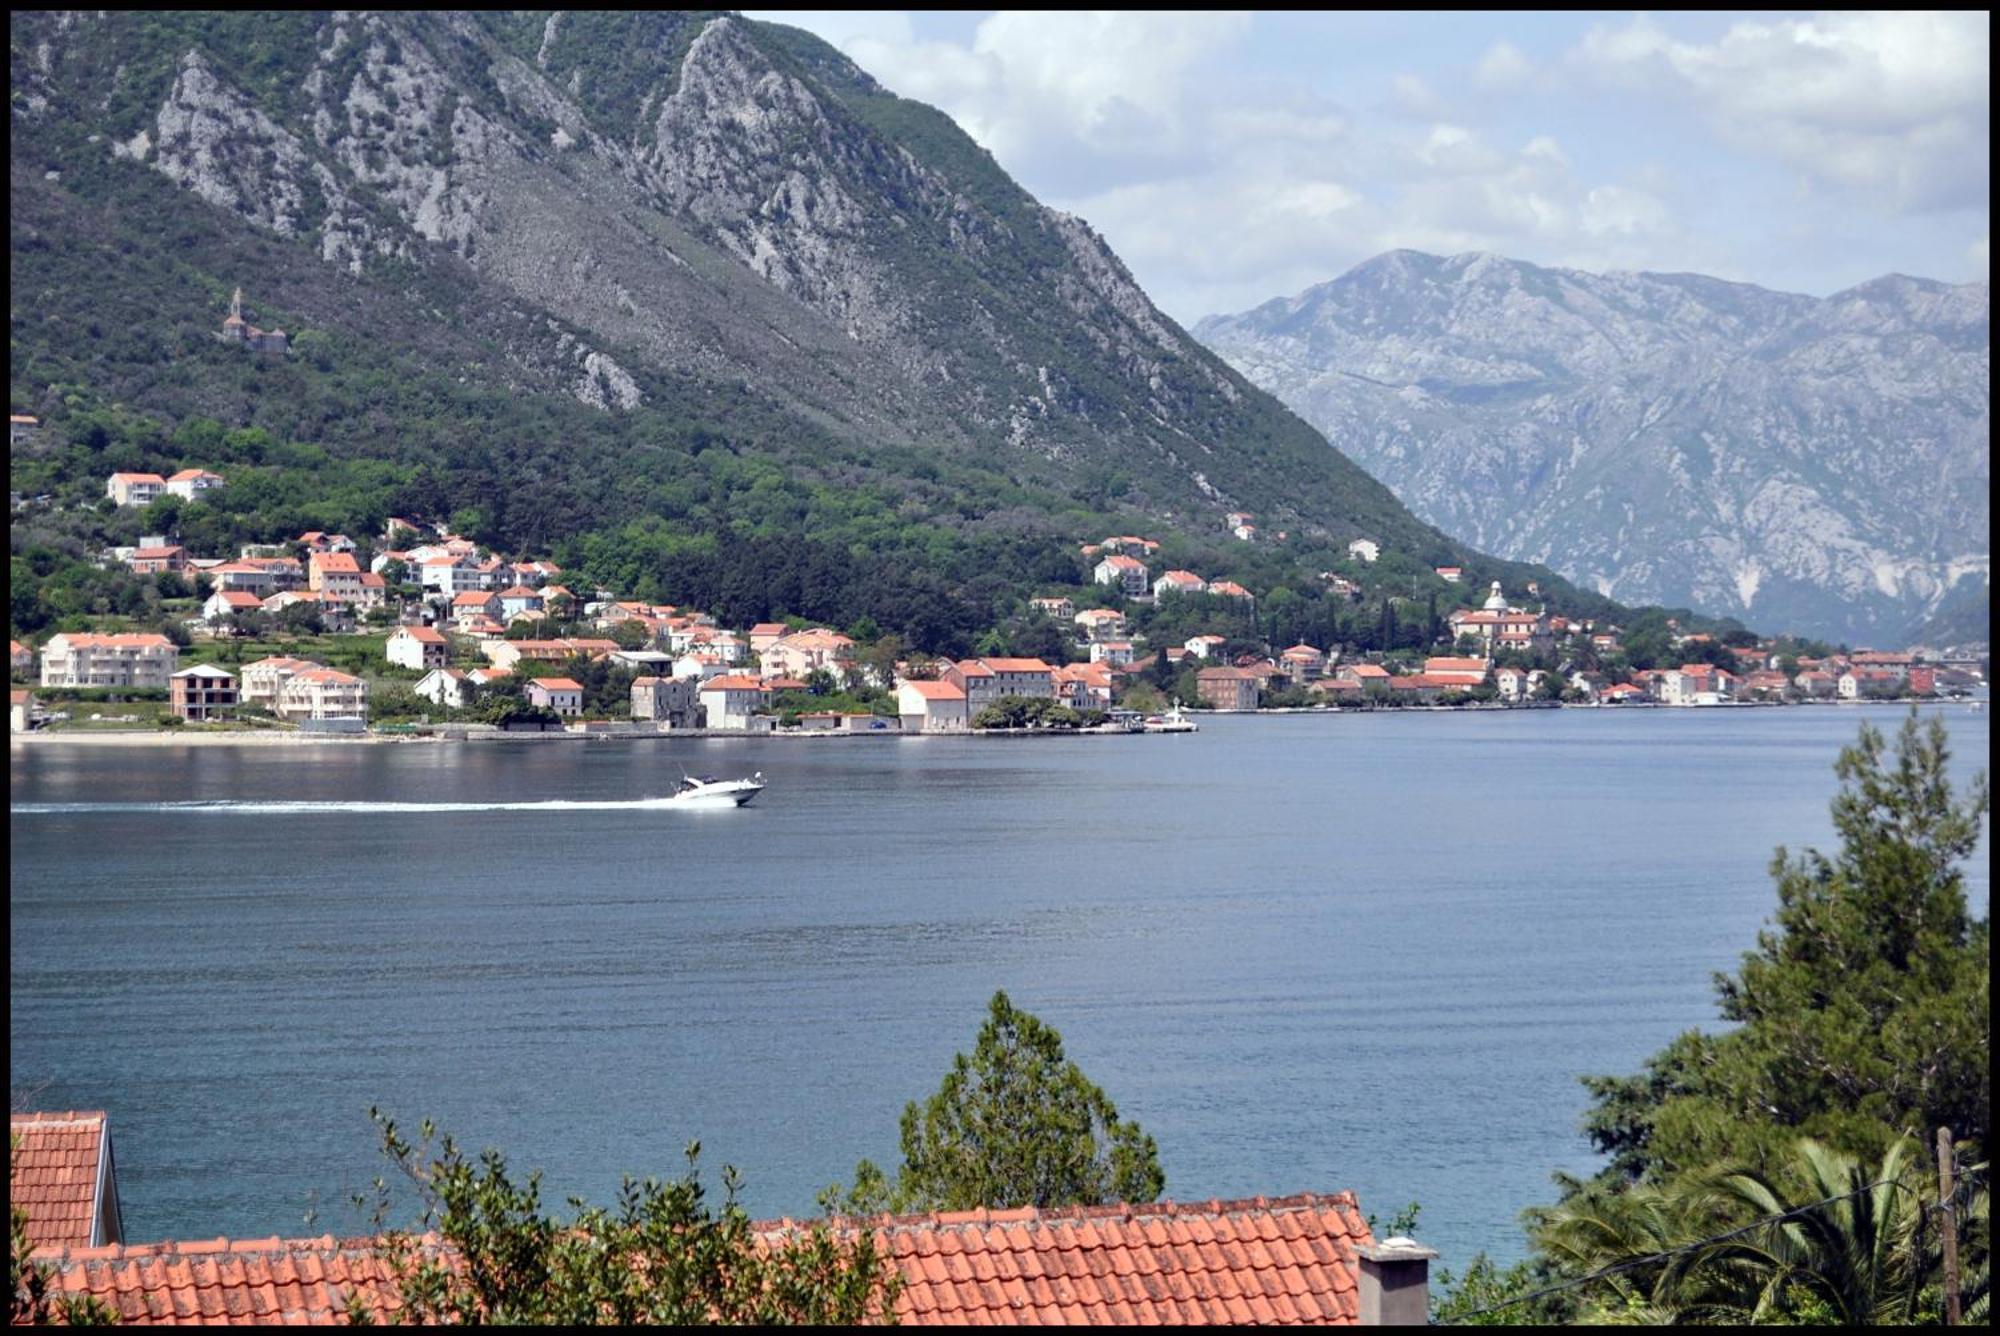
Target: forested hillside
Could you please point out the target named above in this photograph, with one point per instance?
(683, 300)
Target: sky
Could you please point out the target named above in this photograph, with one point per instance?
(1232, 158)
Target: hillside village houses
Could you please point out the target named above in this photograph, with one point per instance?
(692, 672)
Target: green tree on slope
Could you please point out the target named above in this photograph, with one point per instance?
(1015, 1124)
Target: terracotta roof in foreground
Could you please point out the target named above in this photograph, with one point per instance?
(1288, 1260)
(55, 1166)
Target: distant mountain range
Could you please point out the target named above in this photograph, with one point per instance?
(1807, 465)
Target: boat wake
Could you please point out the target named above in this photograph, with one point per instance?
(226, 807)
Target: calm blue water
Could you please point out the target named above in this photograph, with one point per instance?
(1306, 953)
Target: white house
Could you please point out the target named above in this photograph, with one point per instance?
(561, 694)
(931, 707)
(318, 693)
(731, 700)
(194, 483)
(1117, 653)
(1365, 548)
(444, 686)
(1179, 582)
(418, 647)
(1203, 647)
(1129, 573)
(130, 659)
(225, 602)
(135, 489)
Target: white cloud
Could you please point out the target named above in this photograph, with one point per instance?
(1503, 69)
(1975, 255)
(1894, 106)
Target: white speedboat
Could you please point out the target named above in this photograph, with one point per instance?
(707, 790)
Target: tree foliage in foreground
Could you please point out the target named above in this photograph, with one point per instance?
(1014, 1124)
(1818, 1237)
(663, 1255)
(1863, 1013)
(1863, 1026)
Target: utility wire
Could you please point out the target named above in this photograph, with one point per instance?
(1673, 1252)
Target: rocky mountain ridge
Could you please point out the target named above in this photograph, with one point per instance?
(1819, 466)
(732, 203)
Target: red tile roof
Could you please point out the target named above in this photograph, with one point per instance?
(56, 1163)
(739, 682)
(1291, 1260)
(555, 684)
(933, 690)
(1016, 665)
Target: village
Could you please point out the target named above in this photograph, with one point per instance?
(438, 619)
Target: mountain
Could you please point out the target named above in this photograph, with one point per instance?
(571, 273)
(1815, 466)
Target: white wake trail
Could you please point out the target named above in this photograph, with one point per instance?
(223, 807)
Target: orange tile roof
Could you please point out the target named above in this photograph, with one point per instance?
(556, 684)
(733, 682)
(1290, 1260)
(139, 477)
(335, 561)
(1016, 665)
(934, 690)
(133, 639)
(56, 1164)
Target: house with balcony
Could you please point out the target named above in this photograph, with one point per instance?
(201, 693)
(127, 659)
(1101, 623)
(318, 695)
(1127, 573)
(135, 489)
(193, 484)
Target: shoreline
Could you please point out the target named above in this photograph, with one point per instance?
(177, 738)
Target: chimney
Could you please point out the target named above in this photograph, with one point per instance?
(1395, 1283)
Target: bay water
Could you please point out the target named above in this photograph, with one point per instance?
(1305, 952)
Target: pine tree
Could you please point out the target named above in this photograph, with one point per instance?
(1015, 1124)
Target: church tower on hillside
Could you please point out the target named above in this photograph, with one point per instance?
(235, 329)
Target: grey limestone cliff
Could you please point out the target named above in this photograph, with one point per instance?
(1817, 465)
